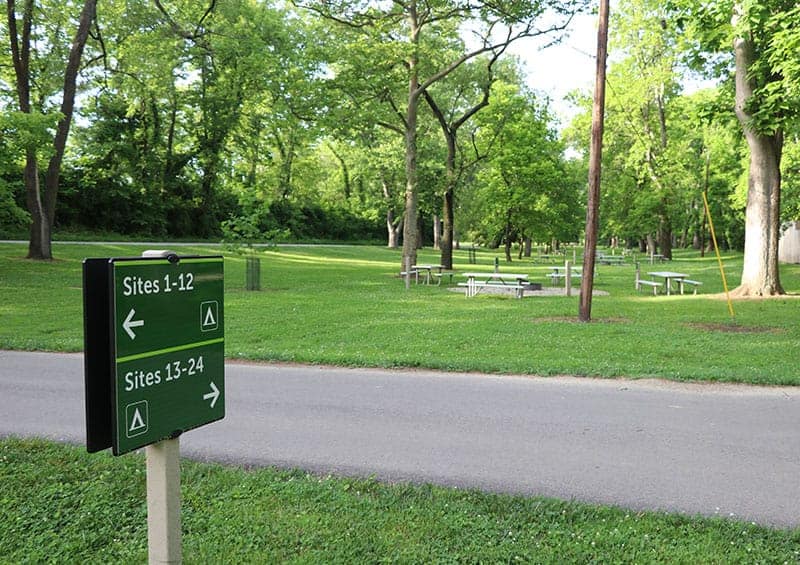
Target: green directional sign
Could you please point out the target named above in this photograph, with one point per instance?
(169, 349)
(166, 348)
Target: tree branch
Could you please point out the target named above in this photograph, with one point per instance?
(195, 37)
(511, 37)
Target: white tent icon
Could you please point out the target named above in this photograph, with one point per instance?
(137, 422)
(209, 315)
(136, 416)
(210, 320)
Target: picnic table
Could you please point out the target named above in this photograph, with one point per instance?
(427, 270)
(557, 274)
(512, 281)
(548, 257)
(611, 259)
(680, 278)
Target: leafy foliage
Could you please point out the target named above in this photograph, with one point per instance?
(212, 119)
(525, 188)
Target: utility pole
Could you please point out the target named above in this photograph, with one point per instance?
(595, 155)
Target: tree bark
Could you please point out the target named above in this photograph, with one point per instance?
(507, 238)
(595, 157)
(346, 186)
(446, 247)
(760, 273)
(393, 225)
(665, 236)
(392, 230)
(448, 229)
(410, 234)
(651, 246)
(39, 245)
(39, 242)
(450, 132)
(67, 107)
(42, 204)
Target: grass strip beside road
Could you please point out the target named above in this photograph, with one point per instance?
(62, 505)
(345, 305)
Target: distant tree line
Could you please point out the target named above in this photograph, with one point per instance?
(405, 122)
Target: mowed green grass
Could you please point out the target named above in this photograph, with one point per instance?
(61, 505)
(345, 305)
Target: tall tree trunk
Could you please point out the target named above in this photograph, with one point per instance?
(67, 108)
(508, 237)
(346, 186)
(448, 229)
(446, 256)
(39, 245)
(437, 231)
(760, 274)
(410, 233)
(651, 244)
(665, 237)
(450, 132)
(445, 243)
(393, 225)
(595, 158)
(702, 242)
(42, 204)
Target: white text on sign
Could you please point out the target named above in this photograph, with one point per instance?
(136, 286)
(172, 371)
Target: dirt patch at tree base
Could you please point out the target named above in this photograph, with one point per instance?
(574, 319)
(736, 328)
(737, 298)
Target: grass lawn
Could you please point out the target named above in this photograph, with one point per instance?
(344, 305)
(61, 505)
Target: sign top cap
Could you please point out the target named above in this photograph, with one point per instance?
(170, 256)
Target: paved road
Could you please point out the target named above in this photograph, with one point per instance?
(699, 449)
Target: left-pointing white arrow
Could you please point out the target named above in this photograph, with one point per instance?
(213, 395)
(130, 323)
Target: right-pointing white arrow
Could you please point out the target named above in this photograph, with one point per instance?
(131, 323)
(213, 395)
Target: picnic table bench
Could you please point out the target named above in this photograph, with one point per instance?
(559, 273)
(549, 257)
(669, 277)
(653, 284)
(611, 259)
(510, 281)
(444, 273)
(693, 284)
(426, 270)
